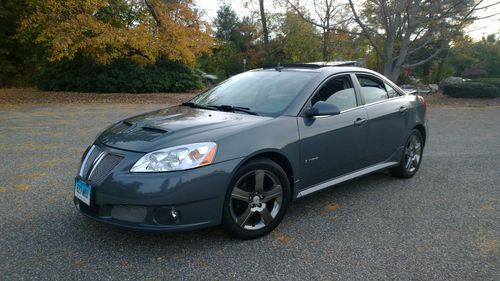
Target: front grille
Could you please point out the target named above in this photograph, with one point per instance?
(89, 160)
(103, 167)
(98, 164)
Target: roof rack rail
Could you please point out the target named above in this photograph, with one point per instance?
(318, 64)
(290, 65)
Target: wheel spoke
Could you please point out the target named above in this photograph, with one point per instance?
(266, 216)
(415, 161)
(408, 151)
(243, 219)
(409, 162)
(274, 193)
(240, 194)
(259, 180)
(413, 141)
(418, 148)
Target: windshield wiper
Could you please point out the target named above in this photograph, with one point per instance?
(195, 105)
(225, 107)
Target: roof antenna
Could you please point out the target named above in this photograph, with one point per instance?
(279, 67)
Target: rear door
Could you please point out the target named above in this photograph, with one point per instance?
(334, 145)
(387, 112)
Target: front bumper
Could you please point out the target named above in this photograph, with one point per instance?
(170, 201)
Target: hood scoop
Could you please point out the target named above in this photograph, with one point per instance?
(128, 131)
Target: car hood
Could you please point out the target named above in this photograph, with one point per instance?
(175, 126)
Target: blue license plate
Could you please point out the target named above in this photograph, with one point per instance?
(83, 191)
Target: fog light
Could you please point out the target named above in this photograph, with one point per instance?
(166, 215)
(175, 214)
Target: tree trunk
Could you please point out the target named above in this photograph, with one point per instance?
(391, 71)
(426, 70)
(326, 40)
(264, 23)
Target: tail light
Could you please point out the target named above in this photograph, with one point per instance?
(424, 102)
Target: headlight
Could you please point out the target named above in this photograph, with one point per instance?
(177, 158)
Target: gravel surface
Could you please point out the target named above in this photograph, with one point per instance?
(443, 224)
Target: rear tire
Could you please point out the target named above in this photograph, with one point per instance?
(256, 200)
(412, 156)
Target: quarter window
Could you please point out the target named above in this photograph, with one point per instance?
(372, 89)
(338, 91)
(390, 91)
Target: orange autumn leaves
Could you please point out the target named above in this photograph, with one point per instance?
(71, 27)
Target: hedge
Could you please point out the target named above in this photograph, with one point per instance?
(493, 81)
(84, 75)
(472, 90)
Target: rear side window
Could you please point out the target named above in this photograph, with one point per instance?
(338, 91)
(372, 89)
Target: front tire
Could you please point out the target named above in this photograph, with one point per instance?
(412, 156)
(257, 199)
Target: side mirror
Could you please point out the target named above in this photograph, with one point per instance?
(322, 108)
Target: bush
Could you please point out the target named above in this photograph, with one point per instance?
(84, 75)
(493, 81)
(450, 81)
(474, 72)
(472, 90)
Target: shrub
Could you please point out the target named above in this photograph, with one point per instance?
(472, 90)
(474, 72)
(450, 81)
(493, 81)
(84, 75)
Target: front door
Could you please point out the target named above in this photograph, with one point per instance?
(334, 145)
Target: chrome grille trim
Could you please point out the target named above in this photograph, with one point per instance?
(96, 163)
(84, 163)
(104, 168)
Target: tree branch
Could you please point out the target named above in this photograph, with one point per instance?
(153, 13)
(424, 61)
(365, 31)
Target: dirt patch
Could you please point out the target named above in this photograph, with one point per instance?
(440, 100)
(332, 206)
(15, 96)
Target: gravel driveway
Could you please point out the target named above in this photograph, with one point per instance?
(443, 224)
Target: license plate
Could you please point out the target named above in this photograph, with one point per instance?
(83, 191)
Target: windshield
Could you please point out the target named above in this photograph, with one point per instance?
(263, 92)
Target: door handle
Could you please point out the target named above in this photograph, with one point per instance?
(359, 121)
(403, 109)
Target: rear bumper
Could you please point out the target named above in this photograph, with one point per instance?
(171, 201)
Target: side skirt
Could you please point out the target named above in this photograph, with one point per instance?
(347, 177)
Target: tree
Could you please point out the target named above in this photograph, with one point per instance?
(400, 28)
(227, 23)
(330, 17)
(236, 41)
(109, 29)
(467, 56)
(301, 41)
(265, 31)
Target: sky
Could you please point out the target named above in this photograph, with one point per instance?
(480, 28)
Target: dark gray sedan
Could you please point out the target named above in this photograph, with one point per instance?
(238, 154)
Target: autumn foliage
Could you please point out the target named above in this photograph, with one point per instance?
(111, 29)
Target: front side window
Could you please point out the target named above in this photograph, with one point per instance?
(267, 92)
(338, 91)
(372, 89)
